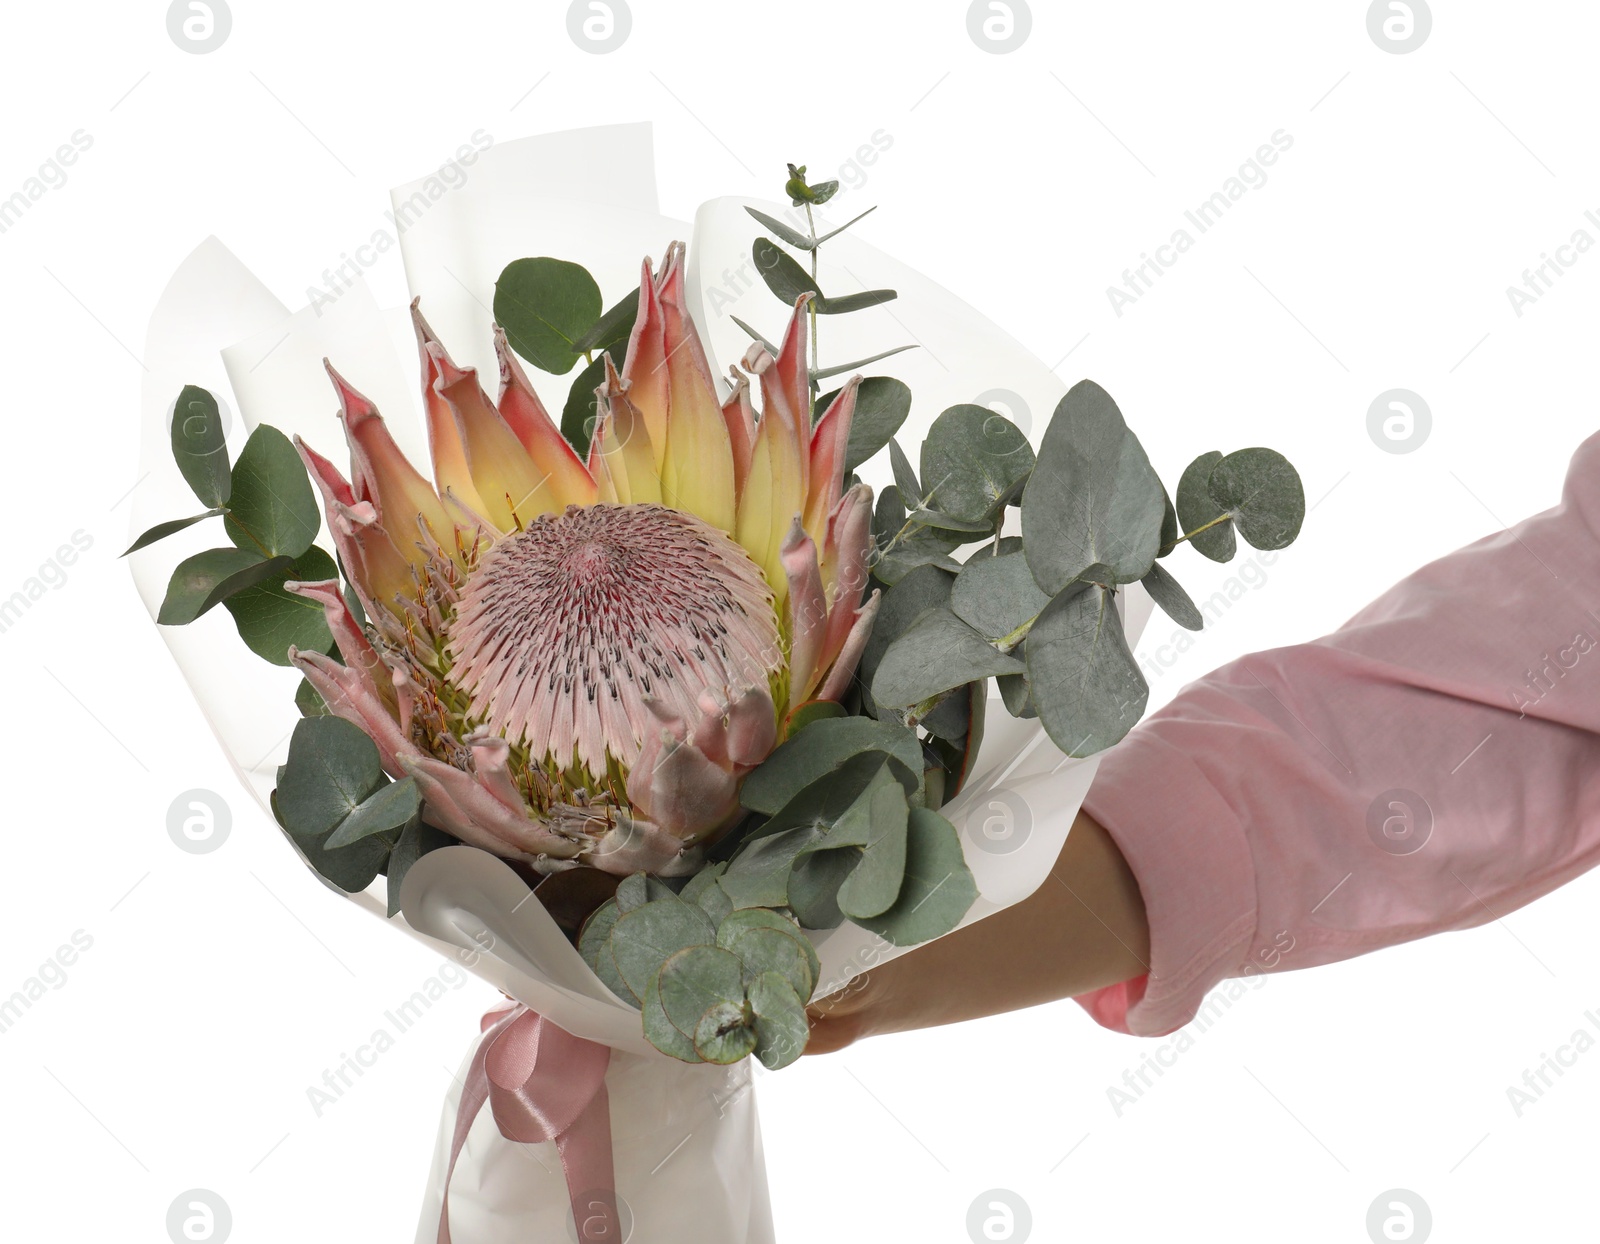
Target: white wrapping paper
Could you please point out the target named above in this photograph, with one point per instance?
(587, 196)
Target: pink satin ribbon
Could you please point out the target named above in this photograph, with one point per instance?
(545, 1084)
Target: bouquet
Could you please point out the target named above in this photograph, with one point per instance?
(632, 686)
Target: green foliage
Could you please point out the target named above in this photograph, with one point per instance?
(547, 306)
(273, 508)
(199, 447)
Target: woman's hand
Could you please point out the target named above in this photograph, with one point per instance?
(1083, 929)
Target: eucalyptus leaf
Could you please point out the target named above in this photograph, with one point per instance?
(937, 652)
(772, 950)
(833, 233)
(1174, 601)
(820, 749)
(997, 595)
(724, 1034)
(922, 588)
(612, 329)
(162, 530)
(846, 303)
(784, 277)
(765, 344)
(882, 405)
(1262, 491)
(1093, 497)
(596, 931)
(199, 446)
(1197, 508)
(271, 620)
(828, 373)
(905, 477)
(660, 1031)
(694, 980)
(308, 701)
(876, 824)
(1170, 531)
(971, 459)
(1085, 681)
(939, 888)
(546, 306)
(758, 876)
(814, 888)
(647, 936)
(581, 415)
(793, 237)
(781, 1027)
(333, 767)
(203, 581)
(273, 507)
(385, 811)
(1017, 696)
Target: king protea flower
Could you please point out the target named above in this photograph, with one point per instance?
(578, 661)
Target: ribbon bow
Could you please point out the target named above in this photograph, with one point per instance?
(543, 1083)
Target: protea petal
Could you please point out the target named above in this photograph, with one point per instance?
(634, 845)
(374, 563)
(844, 564)
(808, 612)
(382, 475)
(773, 495)
(786, 383)
(353, 694)
(512, 488)
(645, 364)
(739, 734)
(531, 424)
(837, 682)
(740, 417)
(697, 471)
(829, 444)
(450, 472)
(480, 819)
(622, 445)
(354, 646)
(680, 789)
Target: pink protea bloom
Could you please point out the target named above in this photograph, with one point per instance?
(578, 661)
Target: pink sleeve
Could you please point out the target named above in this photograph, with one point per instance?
(1424, 767)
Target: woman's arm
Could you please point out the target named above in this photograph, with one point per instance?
(1428, 766)
(1085, 929)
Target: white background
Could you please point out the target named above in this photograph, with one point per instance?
(1376, 256)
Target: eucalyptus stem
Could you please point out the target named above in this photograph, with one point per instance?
(1189, 535)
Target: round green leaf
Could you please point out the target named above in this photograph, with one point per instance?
(661, 1032)
(781, 1026)
(1085, 682)
(724, 1034)
(1262, 490)
(814, 888)
(203, 581)
(996, 595)
(937, 652)
(647, 936)
(971, 459)
(749, 933)
(546, 306)
(696, 979)
(597, 930)
(1196, 507)
(1093, 496)
(332, 768)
